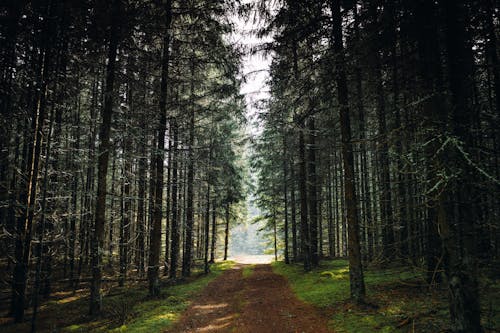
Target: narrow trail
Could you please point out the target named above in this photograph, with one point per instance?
(259, 303)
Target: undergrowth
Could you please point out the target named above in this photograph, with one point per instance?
(398, 299)
(124, 309)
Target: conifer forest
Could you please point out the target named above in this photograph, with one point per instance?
(250, 166)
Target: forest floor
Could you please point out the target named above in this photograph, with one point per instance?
(261, 297)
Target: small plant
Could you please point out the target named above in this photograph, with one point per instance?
(120, 310)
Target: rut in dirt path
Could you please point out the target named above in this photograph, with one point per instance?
(260, 303)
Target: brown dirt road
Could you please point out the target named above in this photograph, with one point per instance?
(259, 303)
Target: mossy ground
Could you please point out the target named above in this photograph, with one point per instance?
(248, 270)
(126, 309)
(398, 299)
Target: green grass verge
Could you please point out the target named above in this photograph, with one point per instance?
(126, 309)
(157, 315)
(401, 300)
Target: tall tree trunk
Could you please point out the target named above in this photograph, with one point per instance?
(155, 235)
(188, 256)
(457, 218)
(141, 200)
(126, 200)
(226, 230)
(355, 267)
(331, 231)
(41, 228)
(168, 211)
(293, 210)
(385, 186)
(214, 233)
(430, 67)
(174, 252)
(28, 193)
(74, 197)
(312, 194)
(97, 242)
(305, 240)
(207, 230)
(285, 198)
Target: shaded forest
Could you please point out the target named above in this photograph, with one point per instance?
(126, 158)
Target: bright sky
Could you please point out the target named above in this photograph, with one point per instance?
(255, 67)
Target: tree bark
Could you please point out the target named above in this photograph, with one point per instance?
(357, 284)
(155, 236)
(97, 241)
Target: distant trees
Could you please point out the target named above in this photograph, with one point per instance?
(380, 113)
(136, 145)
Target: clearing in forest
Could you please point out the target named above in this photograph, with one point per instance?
(250, 299)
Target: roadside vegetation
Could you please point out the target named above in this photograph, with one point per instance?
(398, 299)
(127, 309)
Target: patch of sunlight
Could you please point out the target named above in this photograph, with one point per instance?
(93, 326)
(217, 325)
(369, 320)
(69, 299)
(394, 309)
(226, 318)
(340, 274)
(210, 306)
(169, 316)
(73, 328)
(223, 265)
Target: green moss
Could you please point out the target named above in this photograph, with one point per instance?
(316, 287)
(157, 315)
(130, 309)
(398, 298)
(248, 271)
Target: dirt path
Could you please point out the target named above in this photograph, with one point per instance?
(260, 303)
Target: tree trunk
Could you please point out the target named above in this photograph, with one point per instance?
(226, 231)
(293, 211)
(305, 240)
(155, 235)
(28, 193)
(285, 198)
(312, 194)
(214, 234)
(207, 230)
(188, 256)
(102, 169)
(355, 267)
(174, 252)
(456, 217)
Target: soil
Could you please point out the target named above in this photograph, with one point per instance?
(259, 303)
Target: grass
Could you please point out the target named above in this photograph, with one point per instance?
(248, 271)
(124, 309)
(398, 299)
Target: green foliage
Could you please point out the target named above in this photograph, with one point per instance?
(125, 309)
(398, 298)
(157, 315)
